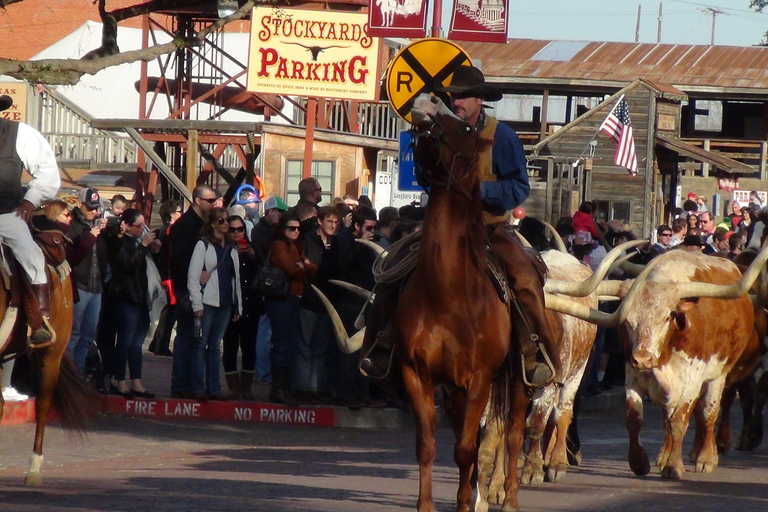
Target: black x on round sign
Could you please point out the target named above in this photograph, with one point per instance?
(419, 68)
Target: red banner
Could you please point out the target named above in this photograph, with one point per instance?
(479, 20)
(398, 18)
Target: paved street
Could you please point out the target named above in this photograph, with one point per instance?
(139, 465)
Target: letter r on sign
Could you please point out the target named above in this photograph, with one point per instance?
(404, 79)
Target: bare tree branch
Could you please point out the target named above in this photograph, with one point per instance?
(69, 71)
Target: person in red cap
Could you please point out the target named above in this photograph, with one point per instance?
(24, 148)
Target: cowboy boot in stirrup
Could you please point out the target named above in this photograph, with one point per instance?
(38, 309)
(378, 361)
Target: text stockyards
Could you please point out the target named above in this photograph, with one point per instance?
(312, 53)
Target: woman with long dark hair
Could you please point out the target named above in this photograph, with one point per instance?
(129, 291)
(242, 334)
(214, 291)
(287, 255)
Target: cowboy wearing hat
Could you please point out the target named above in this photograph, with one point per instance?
(23, 147)
(504, 186)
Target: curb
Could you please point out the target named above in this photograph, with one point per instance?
(18, 413)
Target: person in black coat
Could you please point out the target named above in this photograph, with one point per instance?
(129, 291)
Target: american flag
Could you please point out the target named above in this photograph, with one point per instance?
(618, 127)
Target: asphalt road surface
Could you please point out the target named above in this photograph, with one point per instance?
(149, 465)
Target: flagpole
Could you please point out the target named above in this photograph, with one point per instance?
(437, 17)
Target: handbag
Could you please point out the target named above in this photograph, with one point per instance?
(271, 282)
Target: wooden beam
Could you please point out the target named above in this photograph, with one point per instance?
(309, 138)
(544, 102)
(192, 170)
(161, 165)
(763, 156)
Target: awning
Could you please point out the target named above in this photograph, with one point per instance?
(702, 155)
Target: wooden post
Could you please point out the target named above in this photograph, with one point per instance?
(309, 137)
(544, 101)
(763, 156)
(192, 160)
(704, 165)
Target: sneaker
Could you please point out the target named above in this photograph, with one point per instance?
(11, 395)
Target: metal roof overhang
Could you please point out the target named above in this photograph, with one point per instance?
(702, 155)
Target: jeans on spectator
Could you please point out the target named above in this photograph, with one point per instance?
(311, 367)
(85, 322)
(132, 326)
(263, 351)
(240, 335)
(182, 351)
(286, 330)
(205, 356)
(350, 383)
(107, 334)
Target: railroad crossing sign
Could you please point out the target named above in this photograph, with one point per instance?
(418, 68)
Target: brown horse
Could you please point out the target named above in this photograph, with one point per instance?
(450, 327)
(59, 382)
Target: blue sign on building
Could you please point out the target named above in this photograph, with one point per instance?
(407, 167)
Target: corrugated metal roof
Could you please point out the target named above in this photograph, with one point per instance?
(677, 64)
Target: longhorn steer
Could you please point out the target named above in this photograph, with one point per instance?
(552, 409)
(684, 345)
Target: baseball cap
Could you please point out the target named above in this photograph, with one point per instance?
(691, 195)
(275, 202)
(90, 198)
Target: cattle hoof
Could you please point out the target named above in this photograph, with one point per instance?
(555, 475)
(496, 496)
(33, 480)
(744, 444)
(672, 472)
(510, 508)
(532, 475)
(574, 459)
(706, 467)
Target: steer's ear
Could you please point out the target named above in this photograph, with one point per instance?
(678, 315)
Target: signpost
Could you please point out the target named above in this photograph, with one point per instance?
(419, 68)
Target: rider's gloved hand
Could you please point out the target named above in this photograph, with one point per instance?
(24, 210)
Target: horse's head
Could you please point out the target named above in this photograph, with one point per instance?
(448, 147)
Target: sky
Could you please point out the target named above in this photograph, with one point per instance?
(615, 20)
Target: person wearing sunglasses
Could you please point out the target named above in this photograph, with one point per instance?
(182, 238)
(663, 240)
(216, 298)
(287, 255)
(241, 335)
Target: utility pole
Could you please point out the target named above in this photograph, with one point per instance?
(637, 28)
(658, 31)
(714, 12)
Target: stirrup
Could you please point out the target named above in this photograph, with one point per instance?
(45, 344)
(547, 362)
(371, 364)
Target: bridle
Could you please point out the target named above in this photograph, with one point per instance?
(435, 131)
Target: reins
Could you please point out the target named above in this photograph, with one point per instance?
(457, 183)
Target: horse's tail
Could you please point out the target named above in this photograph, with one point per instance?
(74, 401)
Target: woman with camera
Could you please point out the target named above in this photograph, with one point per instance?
(216, 298)
(129, 293)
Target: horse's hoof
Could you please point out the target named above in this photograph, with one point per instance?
(33, 480)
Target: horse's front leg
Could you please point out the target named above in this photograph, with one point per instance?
(518, 405)
(422, 395)
(474, 399)
(49, 377)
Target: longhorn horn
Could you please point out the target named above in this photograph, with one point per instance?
(346, 344)
(379, 250)
(354, 289)
(584, 288)
(632, 269)
(570, 307)
(556, 237)
(730, 291)
(523, 240)
(609, 288)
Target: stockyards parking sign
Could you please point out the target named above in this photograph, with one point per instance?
(313, 53)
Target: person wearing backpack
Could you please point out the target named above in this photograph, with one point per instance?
(216, 297)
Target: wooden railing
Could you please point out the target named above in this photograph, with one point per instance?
(750, 152)
(373, 119)
(74, 140)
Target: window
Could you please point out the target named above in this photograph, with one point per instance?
(609, 210)
(322, 170)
